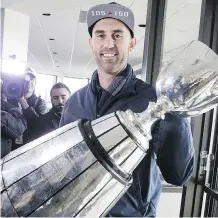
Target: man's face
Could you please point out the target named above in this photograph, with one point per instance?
(59, 98)
(111, 43)
(30, 85)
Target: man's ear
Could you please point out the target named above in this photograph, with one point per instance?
(90, 43)
(33, 81)
(132, 44)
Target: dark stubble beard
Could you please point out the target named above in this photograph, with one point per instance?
(58, 109)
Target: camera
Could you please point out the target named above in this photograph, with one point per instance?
(13, 86)
(15, 75)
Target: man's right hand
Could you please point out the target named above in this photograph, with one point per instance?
(23, 103)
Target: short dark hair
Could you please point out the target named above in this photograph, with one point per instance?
(60, 86)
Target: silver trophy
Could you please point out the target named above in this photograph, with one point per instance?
(187, 86)
(83, 168)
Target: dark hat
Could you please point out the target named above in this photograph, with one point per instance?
(111, 10)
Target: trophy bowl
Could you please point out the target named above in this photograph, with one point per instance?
(186, 86)
(190, 80)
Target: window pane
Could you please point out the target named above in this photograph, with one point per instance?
(182, 22)
(181, 26)
(44, 84)
(75, 84)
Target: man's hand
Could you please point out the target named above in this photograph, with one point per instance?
(23, 103)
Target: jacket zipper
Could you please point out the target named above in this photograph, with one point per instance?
(100, 113)
(96, 108)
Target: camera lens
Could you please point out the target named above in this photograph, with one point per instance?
(13, 89)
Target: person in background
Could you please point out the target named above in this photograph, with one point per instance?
(32, 106)
(113, 87)
(13, 125)
(49, 122)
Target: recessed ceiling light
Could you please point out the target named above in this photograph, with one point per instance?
(51, 39)
(46, 14)
(142, 25)
(55, 52)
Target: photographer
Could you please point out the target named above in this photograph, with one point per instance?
(32, 106)
(13, 125)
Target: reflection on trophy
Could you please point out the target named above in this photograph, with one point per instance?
(88, 173)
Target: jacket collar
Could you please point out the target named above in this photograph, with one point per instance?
(121, 83)
(55, 113)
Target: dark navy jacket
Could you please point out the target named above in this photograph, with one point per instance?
(13, 125)
(171, 147)
(45, 123)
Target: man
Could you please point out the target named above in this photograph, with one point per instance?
(32, 106)
(114, 87)
(50, 121)
(13, 125)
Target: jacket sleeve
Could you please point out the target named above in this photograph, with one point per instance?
(13, 123)
(174, 149)
(73, 109)
(68, 114)
(31, 113)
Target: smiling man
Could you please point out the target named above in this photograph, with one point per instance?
(111, 43)
(113, 87)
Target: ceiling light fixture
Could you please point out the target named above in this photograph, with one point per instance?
(46, 14)
(55, 52)
(51, 39)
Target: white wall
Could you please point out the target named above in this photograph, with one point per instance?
(169, 204)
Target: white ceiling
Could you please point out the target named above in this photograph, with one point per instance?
(73, 56)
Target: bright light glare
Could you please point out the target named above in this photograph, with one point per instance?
(13, 67)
